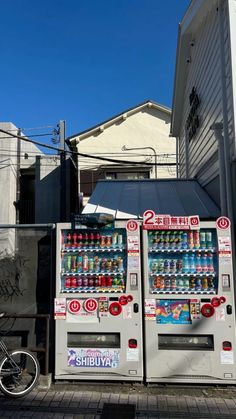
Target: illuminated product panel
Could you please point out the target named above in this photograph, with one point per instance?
(183, 262)
(93, 261)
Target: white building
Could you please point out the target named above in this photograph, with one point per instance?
(136, 136)
(204, 101)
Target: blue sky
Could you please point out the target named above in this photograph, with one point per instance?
(85, 60)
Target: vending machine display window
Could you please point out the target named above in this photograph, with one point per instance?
(186, 342)
(93, 260)
(183, 261)
(93, 340)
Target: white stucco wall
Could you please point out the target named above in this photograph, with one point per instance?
(148, 127)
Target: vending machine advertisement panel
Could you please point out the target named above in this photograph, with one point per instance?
(98, 308)
(189, 312)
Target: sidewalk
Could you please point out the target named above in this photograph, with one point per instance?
(87, 401)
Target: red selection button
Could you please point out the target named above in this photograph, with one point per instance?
(74, 306)
(90, 305)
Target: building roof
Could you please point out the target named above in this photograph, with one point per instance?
(129, 199)
(122, 115)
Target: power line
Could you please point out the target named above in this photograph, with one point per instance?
(122, 162)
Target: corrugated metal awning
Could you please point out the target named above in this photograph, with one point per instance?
(126, 199)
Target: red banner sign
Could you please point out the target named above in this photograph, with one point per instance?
(152, 221)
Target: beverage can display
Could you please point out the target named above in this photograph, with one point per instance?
(191, 263)
(157, 281)
(185, 263)
(68, 263)
(172, 240)
(103, 264)
(204, 283)
(74, 237)
(184, 240)
(120, 263)
(110, 281)
(108, 241)
(209, 239)
(198, 284)
(166, 266)
(73, 263)
(85, 263)
(186, 282)
(196, 239)
(114, 239)
(103, 281)
(192, 283)
(90, 281)
(79, 281)
(160, 267)
(202, 239)
(180, 283)
(67, 282)
(96, 264)
(85, 281)
(97, 239)
(68, 240)
(108, 264)
(162, 283)
(91, 264)
(103, 241)
(178, 239)
(190, 240)
(91, 239)
(85, 240)
(80, 240)
(120, 240)
(167, 283)
(173, 283)
(154, 266)
(211, 283)
(73, 282)
(179, 265)
(173, 266)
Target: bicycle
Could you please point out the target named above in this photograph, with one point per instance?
(19, 371)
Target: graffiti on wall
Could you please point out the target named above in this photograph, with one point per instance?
(11, 271)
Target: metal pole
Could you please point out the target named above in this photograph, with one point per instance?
(63, 195)
(18, 176)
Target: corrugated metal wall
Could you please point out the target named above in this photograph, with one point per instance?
(204, 73)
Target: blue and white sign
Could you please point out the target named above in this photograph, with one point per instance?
(93, 358)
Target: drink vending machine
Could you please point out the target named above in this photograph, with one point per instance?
(98, 307)
(188, 300)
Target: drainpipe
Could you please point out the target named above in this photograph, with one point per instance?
(218, 128)
(226, 144)
(186, 154)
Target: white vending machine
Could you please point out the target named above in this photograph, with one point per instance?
(98, 307)
(189, 309)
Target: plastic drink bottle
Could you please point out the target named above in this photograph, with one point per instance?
(208, 239)
(185, 263)
(210, 265)
(85, 263)
(202, 239)
(198, 266)
(191, 264)
(204, 263)
(190, 240)
(196, 239)
(184, 240)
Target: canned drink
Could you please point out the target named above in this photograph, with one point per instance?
(190, 240)
(211, 283)
(198, 284)
(160, 265)
(79, 263)
(173, 266)
(162, 283)
(156, 282)
(166, 266)
(68, 263)
(192, 283)
(74, 263)
(85, 281)
(173, 283)
(73, 282)
(196, 239)
(103, 281)
(186, 282)
(180, 283)
(90, 281)
(120, 263)
(204, 283)
(108, 241)
(110, 281)
(96, 264)
(154, 266)
(179, 265)
(79, 281)
(103, 241)
(67, 282)
(167, 283)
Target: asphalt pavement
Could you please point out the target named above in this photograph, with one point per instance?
(122, 401)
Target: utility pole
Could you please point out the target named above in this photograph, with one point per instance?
(63, 192)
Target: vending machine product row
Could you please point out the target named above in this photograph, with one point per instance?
(98, 308)
(188, 300)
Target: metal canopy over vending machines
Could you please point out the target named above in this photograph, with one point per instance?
(188, 300)
(98, 307)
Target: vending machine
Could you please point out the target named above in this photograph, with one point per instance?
(189, 311)
(98, 309)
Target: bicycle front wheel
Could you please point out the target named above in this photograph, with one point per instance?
(19, 373)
